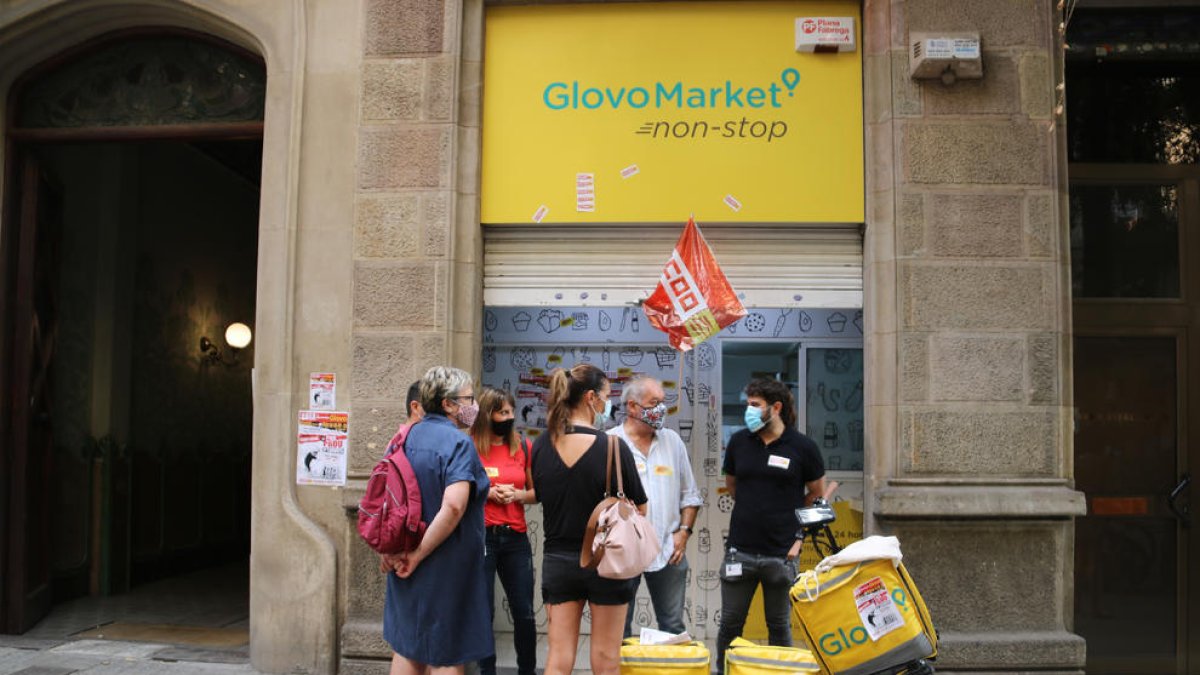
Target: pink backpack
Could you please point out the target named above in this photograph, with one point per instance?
(389, 515)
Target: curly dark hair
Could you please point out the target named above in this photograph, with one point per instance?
(774, 391)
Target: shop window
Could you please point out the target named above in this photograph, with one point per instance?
(1133, 86)
(1124, 241)
(148, 81)
(816, 351)
(833, 411)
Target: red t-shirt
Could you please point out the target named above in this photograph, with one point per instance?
(505, 469)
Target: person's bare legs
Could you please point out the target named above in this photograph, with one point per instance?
(563, 636)
(608, 627)
(403, 666)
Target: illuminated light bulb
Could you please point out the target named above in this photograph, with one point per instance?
(238, 335)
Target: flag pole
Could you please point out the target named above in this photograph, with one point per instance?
(679, 380)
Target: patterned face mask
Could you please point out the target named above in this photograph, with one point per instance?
(466, 414)
(656, 417)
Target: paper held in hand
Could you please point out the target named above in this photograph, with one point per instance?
(649, 636)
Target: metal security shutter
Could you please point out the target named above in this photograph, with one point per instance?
(614, 265)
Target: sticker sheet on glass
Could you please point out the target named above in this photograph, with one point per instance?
(322, 443)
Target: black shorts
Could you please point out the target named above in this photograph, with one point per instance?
(563, 580)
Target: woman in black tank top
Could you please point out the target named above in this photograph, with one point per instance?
(568, 478)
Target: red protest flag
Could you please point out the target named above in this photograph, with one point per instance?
(693, 300)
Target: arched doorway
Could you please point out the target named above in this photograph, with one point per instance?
(130, 233)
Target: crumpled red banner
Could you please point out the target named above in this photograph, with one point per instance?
(693, 300)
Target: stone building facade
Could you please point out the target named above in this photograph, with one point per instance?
(370, 265)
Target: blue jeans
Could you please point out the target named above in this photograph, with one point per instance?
(507, 553)
(668, 587)
(776, 574)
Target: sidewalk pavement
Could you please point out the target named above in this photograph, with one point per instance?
(26, 656)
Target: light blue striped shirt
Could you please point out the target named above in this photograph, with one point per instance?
(670, 486)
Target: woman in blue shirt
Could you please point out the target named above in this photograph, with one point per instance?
(436, 615)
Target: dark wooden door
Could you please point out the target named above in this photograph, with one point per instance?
(1136, 275)
(31, 301)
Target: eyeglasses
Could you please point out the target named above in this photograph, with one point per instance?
(470, 398)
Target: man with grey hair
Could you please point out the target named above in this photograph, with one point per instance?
(674, 499)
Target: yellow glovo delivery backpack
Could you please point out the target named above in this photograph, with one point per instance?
(861, 612)
(747, 658)
(689, 658)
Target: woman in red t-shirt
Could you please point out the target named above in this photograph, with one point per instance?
(507, 552)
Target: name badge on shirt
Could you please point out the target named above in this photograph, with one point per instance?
(492, 471)
(662, 470)
(733, 570)
(779, 462)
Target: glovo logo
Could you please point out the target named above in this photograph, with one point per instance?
(833, 644)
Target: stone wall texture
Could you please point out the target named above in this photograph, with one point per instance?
(965, 305)
(970, 460)
(409, 258)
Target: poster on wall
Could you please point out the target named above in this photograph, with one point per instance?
(322, 391)
(322, 441)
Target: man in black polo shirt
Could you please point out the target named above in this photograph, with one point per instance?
(771, 469)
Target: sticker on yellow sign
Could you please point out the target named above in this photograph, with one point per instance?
(669, 109)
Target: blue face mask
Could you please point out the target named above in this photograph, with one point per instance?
(754, 419)
(602, 417)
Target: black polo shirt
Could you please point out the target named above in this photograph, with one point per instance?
(770, 487)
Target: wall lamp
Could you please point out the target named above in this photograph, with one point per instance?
(237, 337)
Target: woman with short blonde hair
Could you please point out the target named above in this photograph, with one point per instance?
(437, 594)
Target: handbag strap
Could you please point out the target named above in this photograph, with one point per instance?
(614, 457)
(608, 466)
(587, 557)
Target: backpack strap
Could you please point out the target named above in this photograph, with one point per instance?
(402, 472)
(397, 442)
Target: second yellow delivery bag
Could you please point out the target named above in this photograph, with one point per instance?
(690, 658)
(747, 658)
(861, 612)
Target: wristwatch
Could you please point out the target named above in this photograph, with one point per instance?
(686, 528)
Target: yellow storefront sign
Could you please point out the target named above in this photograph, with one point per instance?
(649, 112)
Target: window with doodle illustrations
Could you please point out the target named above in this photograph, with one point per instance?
(818, 352)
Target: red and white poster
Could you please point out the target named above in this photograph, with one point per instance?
(322, 391)
(693, 300)
(322, 441)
